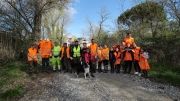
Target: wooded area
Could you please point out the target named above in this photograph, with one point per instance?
(154, 24)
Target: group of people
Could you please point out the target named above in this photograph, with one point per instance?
(74, 58)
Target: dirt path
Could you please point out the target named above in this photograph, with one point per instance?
(105, 87)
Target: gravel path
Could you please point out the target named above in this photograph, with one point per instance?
(105, 87)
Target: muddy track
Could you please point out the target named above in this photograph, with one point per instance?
(105, 87)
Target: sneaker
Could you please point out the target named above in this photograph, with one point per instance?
(136, 73)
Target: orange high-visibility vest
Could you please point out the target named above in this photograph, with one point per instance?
(117, 57)
(99, 54)
(105, 54)
(45, 48)
(137, 53)
(143, 63)
(127, 56)
(93, 49)
(67, 52)
(32, 54)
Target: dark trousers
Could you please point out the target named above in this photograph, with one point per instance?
(99, 66)
(93, 67)
(136, 66)
(105, 63)
(112, 66)
(145, 73)
(45, 63)
(66, 64)
(77, 65)
(127, 66)
(32, 66)
(117, 68)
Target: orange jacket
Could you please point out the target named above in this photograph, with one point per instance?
(45, 48)
(143, 63)
(105, 54)
(137, 53)
(93, 49)
(127, 56)
(99, 54)
(67, 52)
(32, 54)
(127, 42)
(117, 57)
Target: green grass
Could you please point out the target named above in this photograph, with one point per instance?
(166, 74)
(12, 93)
(12, 77)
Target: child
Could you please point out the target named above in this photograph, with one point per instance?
(105, 58)
(85, 57)
(32, 56)
(111, 59)
(99, 56)
(117, 55)
(143, 63)
(136, 60)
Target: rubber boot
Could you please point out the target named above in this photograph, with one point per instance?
(54, 68)
(59, 67)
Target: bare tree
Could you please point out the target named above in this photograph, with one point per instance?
(104, 15)
(91, 28)
(172, 7)
(29, 12)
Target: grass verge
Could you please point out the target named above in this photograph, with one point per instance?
(165, 74)
(12, 81)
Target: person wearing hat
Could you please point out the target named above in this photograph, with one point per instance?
(65, 58)
(76, 55)
(85, 56)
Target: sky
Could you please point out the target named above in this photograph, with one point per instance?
(89, 9)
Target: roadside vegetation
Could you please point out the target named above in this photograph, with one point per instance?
(13, 80)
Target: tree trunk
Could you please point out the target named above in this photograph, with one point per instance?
(37, 21)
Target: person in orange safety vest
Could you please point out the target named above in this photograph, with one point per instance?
(99, 57)
(105, 58)
(117, 64)
(136, 60)
(32, 57)
(143, 63)
(128, 44)
(93, 51)
(128, 52)
(45, 47)
(65, 58)
(127, 61)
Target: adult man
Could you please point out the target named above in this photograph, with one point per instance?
(46, 52)
(76, 55)
(128, 54)
(93, 51)
(65, 58)
(56, 56)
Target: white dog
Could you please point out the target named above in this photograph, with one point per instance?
(87, 71)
